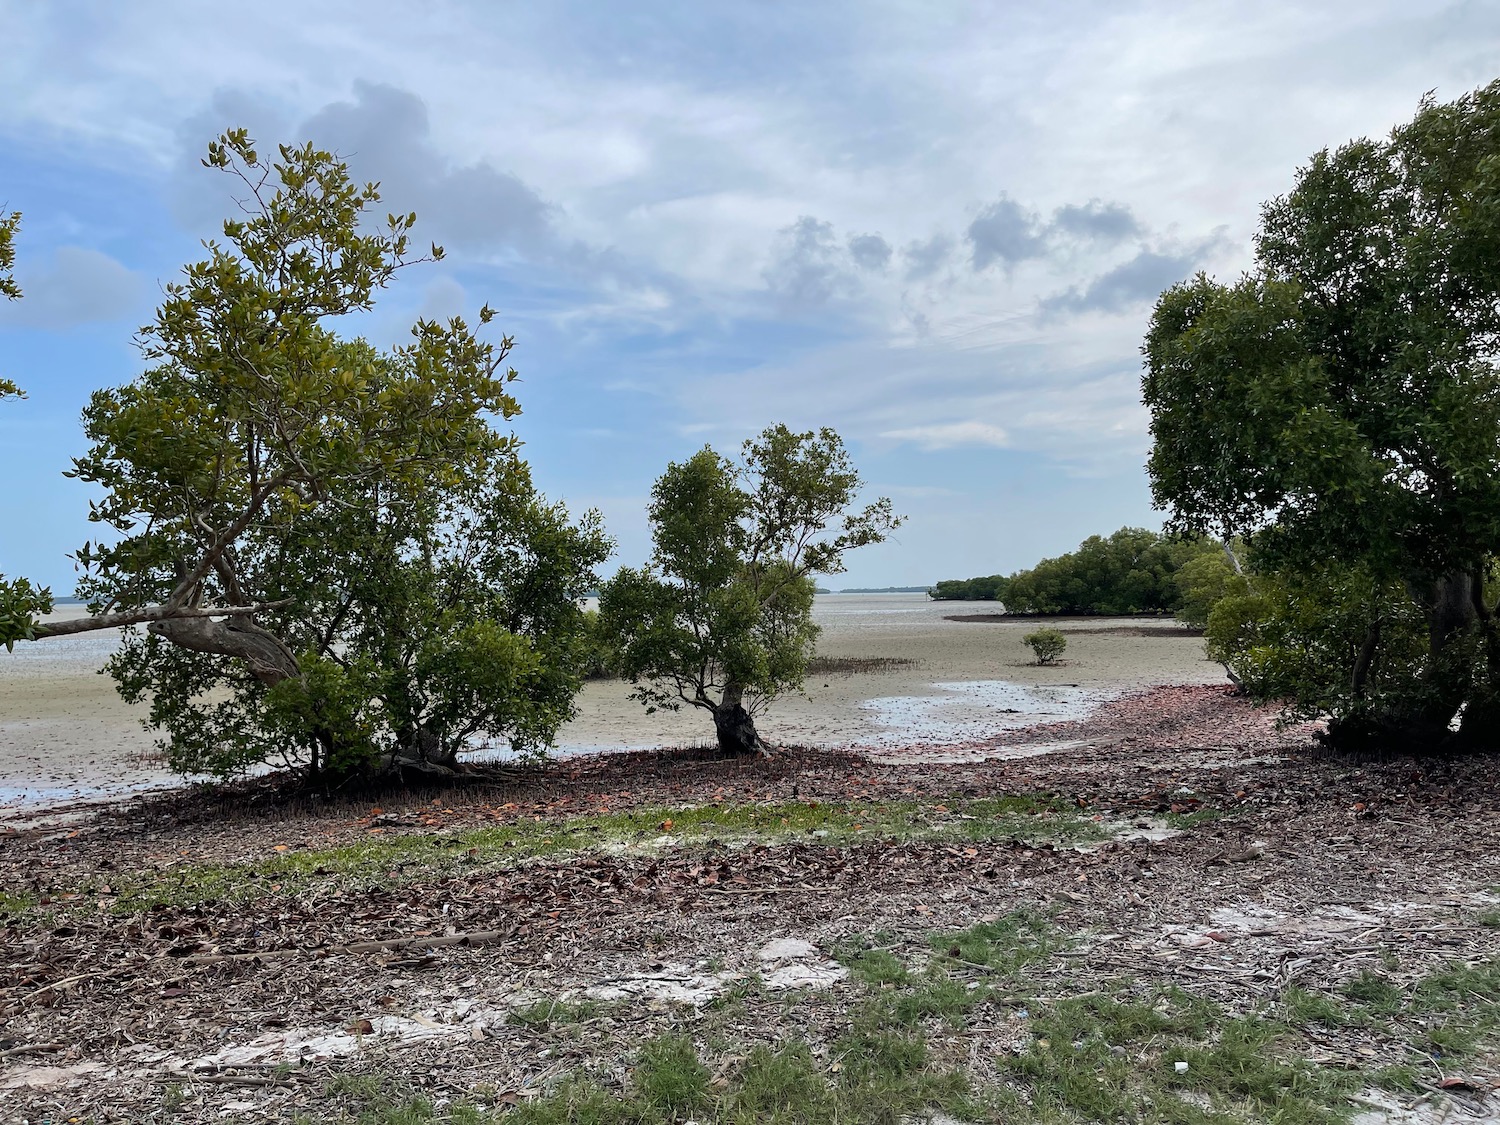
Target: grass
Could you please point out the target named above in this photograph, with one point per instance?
(1115, 1056)
(909, 1031)
(556, 1013)
(1449, 1014)
(395, 859)
(13, 903)
(1196, 819)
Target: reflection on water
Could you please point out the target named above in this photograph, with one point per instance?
(32, 796)
(76, 654)
(60, 653)
(976, 709)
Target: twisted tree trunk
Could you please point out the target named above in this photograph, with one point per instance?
(734, 725)
(269, 658)
(267, 655)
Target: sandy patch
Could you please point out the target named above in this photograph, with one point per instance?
(66, 736)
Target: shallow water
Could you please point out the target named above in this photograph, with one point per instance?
(960, 712)
(65, 734)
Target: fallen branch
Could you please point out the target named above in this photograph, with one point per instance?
(475, 937)
(59, 985)
(222, 1079)
(32, 1049)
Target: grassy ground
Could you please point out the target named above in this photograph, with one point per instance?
(287, 871)
(1123, 1050)
(1020, 944)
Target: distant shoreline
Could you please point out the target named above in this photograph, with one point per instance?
(880, 590)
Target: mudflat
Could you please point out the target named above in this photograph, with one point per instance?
(893, 670)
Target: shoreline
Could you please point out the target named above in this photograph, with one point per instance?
(65, 736)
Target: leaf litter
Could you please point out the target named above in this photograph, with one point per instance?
(1259, 866)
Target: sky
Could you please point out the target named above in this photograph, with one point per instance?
(937, 228)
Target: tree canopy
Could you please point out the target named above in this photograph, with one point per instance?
(721, 617)
(1340, 408)
(337, 557)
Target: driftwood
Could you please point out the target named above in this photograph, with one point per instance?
(474, 937)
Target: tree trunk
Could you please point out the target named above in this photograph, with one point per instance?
(1365, 659)
(1450, 613)
(1480, 727)
(421, 749)
(1422, 724)
(268, 657)
(734, 726)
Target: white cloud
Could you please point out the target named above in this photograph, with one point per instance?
(946, 435)
(77, 286)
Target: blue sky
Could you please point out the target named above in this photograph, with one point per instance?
(935, 227)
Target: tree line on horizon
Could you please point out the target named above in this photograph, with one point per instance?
(1132, 571)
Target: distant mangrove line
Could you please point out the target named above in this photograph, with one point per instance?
(1132, 571)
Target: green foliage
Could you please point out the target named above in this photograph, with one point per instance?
(1297, 636)
(1047, 644)
(989, 589)
(721, 618)
(1340, 408)
(422, 634)
(9, 224)
(339, 559)
(598, 658)
(1203, 582)
(1131, 571)
(21, 604)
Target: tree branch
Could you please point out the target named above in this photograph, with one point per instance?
(146, 614)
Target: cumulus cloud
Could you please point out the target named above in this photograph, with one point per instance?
(1098, 221)
(870, 251)
(923, 259)
(1131, 283)
(949, 434)
(77, 286)
(1007, 233)
(385, 135)
(810, 268)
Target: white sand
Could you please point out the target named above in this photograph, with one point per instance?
(64, 733)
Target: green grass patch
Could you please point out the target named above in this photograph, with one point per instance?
(16, 903)
(395, 859)
(556, 1013)
(1006, 945)
(1451, 1013)
(1111, 1054)
(1197, 819)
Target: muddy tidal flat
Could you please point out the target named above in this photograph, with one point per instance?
(927, 681)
